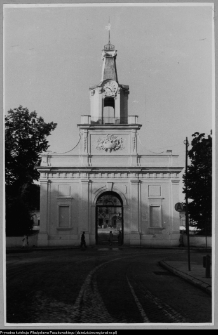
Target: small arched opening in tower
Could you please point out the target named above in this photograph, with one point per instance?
(109, 110)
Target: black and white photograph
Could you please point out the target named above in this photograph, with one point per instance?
(109, 118)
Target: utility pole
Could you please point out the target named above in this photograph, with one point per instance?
(186, 201)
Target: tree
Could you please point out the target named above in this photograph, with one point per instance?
(19, 207)
(25, 139)
(199, 182)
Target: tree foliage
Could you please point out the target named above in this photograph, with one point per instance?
(19, 206)
(25, 139)
(199, 182)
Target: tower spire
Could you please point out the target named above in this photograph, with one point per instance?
(108, 27)
(109, 54)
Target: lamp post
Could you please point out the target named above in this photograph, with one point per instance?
(186, 201)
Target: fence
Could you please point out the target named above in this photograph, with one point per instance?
(198, 241)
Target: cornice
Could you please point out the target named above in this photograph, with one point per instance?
(89, 175)
(106, 126)
(103, 169)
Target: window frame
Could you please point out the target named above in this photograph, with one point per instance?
(64, 203)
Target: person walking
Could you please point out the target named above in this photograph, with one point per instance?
(83, 241)
(25, 241)
(110, 238)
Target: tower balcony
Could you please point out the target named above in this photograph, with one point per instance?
(87, 119)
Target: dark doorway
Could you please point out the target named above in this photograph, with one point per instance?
(109, 218)
(109, 111)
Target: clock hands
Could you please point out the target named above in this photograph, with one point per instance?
(110, 88)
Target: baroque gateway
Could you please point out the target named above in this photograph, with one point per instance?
(108, 186)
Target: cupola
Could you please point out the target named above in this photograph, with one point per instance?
(109, 98)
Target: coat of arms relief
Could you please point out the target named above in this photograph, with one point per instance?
(110, 143)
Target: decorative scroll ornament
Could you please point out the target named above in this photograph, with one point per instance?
(85, 142)
(111, 142)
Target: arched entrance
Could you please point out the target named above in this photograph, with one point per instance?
(109, 217)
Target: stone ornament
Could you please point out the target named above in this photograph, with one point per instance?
(110, 143)
(85, 143)
(108, 53)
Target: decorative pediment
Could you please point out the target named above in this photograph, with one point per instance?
(110, 143)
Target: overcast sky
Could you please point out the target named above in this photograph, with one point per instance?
(52, 55)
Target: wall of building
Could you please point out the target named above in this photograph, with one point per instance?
(68, 208)
(17, 241)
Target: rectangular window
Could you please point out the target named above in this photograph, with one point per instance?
(155, 216)
(64, 216)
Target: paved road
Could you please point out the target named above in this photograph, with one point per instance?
(101, 286)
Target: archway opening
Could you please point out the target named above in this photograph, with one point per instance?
(109, 218)
(109, 110)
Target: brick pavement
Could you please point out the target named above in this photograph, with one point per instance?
(89, 306)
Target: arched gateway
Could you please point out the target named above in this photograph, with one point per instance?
(109, 217)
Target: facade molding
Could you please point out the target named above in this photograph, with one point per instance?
(115, 174)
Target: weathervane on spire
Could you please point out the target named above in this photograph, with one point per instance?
(109, 46)
(108, 27)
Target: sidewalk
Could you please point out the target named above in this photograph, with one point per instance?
(197, 273)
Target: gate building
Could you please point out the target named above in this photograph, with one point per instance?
(109, 186)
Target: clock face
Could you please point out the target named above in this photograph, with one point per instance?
(110, 88)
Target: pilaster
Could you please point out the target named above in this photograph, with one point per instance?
(135, 233)
(174, 200)
(84, 206)
(100, 102)
(117, 105)
(44, 212)
(134, 205)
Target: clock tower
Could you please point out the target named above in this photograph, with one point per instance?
(109, 130)
(109, 99)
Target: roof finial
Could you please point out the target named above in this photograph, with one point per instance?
(108, 27)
